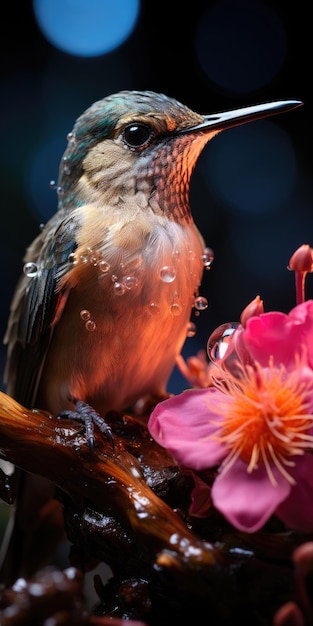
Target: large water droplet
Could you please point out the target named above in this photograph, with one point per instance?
(208, 258)
(167, 274)
(30, 269)
(220, 339)
(52, 184)
(201, 303)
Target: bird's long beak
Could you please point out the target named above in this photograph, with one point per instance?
(228, 119)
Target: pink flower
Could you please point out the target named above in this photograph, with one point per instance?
(255, 425)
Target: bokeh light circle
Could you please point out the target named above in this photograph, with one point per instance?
(240, 46)
(86, 27)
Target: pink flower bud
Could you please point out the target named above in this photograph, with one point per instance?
(255, 307)
(302, 259)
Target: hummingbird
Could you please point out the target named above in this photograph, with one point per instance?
(101, 311)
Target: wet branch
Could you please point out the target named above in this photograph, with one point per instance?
(57, 449)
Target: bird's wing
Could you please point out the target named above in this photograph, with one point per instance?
(34, 307)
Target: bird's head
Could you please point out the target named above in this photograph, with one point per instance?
(145, 145)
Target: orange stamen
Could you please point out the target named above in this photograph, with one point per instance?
(265, 418)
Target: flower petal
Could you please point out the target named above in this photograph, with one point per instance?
(277, 334)
(183, 425)
(248, 500)
(267, 335)
(302, 315)
(297, 510)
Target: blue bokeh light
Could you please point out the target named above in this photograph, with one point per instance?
(240, 45)
(86, 27)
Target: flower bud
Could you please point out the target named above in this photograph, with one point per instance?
(302, 259)
(255, 307)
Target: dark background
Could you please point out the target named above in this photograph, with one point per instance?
(43, 90)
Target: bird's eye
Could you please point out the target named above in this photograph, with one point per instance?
(137, 135)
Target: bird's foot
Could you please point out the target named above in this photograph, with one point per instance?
(90, 418)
